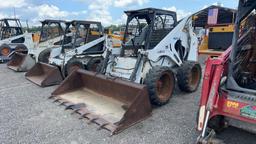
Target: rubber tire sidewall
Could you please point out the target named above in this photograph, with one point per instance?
(44, 55)
(73, 61)
(150, 81)
(183, 74)
(92, 62)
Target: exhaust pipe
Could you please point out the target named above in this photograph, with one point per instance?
(44, 75)
(20, 62)
(113, 104)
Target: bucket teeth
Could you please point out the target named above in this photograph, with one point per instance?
(75, 106)
(92, 119)
(102, 126)
(84, 115)
(57, 100)
(75, 111)
(51, 97)
(63, 102)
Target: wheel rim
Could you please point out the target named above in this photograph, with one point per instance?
(5, 51)
(165, 85)
(194, 77)
(73, 68)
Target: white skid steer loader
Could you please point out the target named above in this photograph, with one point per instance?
(51, 36)
(12, 35)
(9, 28)
(143, 73)
(85, 51)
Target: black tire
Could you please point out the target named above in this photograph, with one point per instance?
(21, 48)
(44, 55)
(100, 65)
(72, 65)
(189, 76)
(5, 50)
(217, 123)
(160, 83)
(93, 64)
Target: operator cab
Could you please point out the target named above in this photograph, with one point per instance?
(10, 28)
(242, 69)
(51, 29)
(81, 33)
(145, 28)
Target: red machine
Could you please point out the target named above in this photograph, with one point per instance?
(229, 87)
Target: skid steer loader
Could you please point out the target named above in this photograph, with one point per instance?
(51, 36)
(143, 73)
(229, 85)
(10, 28)
(85, 51)
(11, 34)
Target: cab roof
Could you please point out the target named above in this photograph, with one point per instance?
(52, 21)
(150, 10)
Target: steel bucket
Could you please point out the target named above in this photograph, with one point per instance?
(44, 75)
(20, 62)
(113, 104)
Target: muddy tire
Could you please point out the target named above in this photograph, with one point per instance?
(93, 64)
(72, 65)
(99, 67)
(44, 56)
(5, 50)
(217, 123)
(189, 76)
(21, 49)
(160, 82)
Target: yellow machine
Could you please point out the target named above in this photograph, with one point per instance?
(214, 30)
(218, 39)
(116, 38)
(36, 37)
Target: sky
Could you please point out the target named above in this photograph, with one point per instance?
(106, 11)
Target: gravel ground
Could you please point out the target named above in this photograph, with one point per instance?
(27, 116)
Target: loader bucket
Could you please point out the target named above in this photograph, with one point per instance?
(44, 75)
(113, 104)
(21, 62)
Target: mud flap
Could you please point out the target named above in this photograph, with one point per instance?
(21, 62)
(44, 75)
(113, 104)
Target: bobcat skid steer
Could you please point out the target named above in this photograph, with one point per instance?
(143, 73)
(10, 28)
(229, 85)
(11, 35)
(51, 36)
(85, 51)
